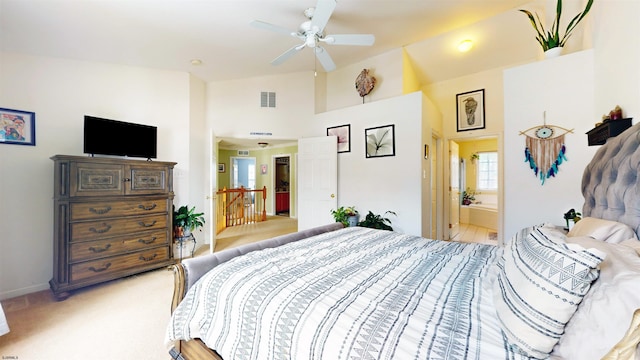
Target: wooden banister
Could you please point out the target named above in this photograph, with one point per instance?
(240, 206)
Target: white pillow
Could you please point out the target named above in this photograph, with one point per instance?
(605, 312)
(603, 230)
(541, 282)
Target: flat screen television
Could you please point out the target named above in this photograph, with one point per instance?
(112, 137)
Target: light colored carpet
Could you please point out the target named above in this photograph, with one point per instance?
(122, 319)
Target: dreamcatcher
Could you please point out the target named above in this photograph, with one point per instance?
(545, 149)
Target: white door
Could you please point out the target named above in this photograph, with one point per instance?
(454, 189)
(317, 181)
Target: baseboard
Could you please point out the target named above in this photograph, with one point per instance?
(23, 291)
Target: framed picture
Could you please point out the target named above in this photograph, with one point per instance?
(221, 168)
(380, 141)
(470, 110)
(343, 132)
(17, 127)
(263, 169)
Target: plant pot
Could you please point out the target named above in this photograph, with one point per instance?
(353, 220)
(553, 52)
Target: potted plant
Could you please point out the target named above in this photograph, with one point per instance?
(572, 215)
(468, 196)
(186, 220)
(346, 215)
(377, 221)
(551, 38)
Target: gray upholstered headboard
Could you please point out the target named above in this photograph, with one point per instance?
(611, 181)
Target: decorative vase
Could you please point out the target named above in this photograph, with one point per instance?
(553, 53)
(353, 220)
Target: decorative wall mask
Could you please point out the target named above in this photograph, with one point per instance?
(545, 149)
(365, 83)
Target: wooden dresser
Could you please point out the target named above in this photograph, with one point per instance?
(112, 218)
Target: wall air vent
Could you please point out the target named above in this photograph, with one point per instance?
(268, 99)
(243, 152)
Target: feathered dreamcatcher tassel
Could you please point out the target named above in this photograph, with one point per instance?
(545, 156)
(543, 151)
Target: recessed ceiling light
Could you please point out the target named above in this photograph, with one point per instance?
(465, 45)
(196, 62)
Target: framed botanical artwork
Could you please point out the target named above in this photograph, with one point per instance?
(17, 127)
(470, 110)
(263, 169)
(343, 132)
(380, 141)
(221, 168)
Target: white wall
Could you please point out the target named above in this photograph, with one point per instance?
(340, 84)
(61, 92)
(383, 183)
(233, 107)
(617, 55)
(564, 88)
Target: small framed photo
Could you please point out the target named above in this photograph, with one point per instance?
(380, 141)
(343, 132)
(263, 169)
(17, 127)
(470, 110)
(221, 168)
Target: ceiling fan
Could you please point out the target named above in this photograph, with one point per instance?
(311, 32)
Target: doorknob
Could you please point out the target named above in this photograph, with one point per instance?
(333, 195)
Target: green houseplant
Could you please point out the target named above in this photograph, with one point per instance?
(377, 221)
(346, 215)
(186, 220)
(551, 38)
(468, 196)
(572, 215)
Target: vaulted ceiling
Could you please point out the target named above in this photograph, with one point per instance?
(169, 34)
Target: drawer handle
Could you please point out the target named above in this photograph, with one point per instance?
(101, 231)
(147, 208)
(141, 223)
(153, 239)
(100, 211)
(147, 258)
(100, 269)
(99, 250)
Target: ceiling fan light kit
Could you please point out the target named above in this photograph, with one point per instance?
(311, 33)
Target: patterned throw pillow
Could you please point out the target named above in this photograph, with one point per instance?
(540, 284)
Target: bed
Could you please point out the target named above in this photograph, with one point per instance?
(357, 293)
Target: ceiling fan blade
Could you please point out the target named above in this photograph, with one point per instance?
(350, 39)
(322, 13)
(266, 26)
(325, 59)
(287, 54)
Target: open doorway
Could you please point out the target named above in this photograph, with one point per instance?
(478, 181)
(282, 184)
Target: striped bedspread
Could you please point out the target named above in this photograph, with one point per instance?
(355, 293)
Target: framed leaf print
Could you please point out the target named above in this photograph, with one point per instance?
(380, 141)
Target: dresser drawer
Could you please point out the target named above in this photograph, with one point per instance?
(113, 246)
(105, 209)
(88, 230)
(114, 264)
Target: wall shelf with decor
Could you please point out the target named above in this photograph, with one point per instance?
(608, 129)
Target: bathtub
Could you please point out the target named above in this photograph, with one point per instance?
(484, 215)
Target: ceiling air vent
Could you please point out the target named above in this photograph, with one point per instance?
(243, 152)
(268, 99)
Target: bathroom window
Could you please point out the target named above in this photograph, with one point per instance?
(487, 171)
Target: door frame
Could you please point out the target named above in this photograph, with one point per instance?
(500, 137)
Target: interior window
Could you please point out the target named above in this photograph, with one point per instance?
(487, 171)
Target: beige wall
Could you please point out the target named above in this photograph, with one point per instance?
(469, 148)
